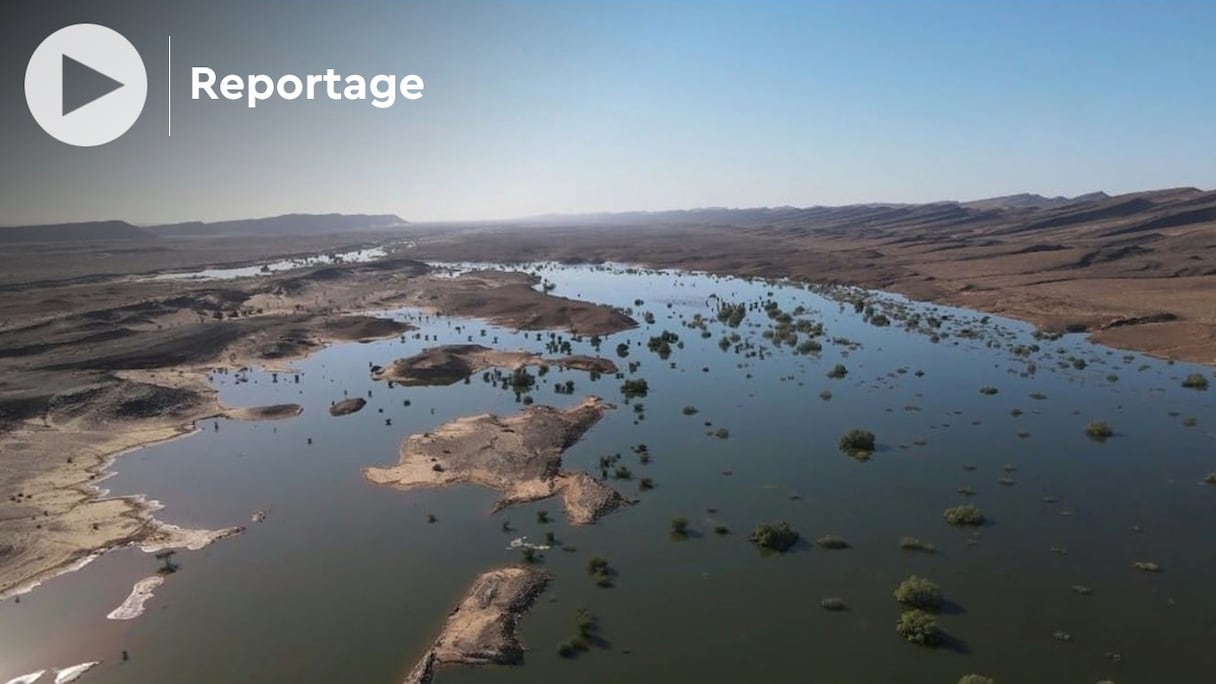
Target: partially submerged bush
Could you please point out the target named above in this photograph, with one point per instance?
(679, 528)
(634, 387)
(1210, 479)
(778, 536)
(918, 592)
(976, 679)
(857, 443)
(914, 544)
(1195, 381)
(1099, 431)
(838, 371)
(988, 390)
(965, 514)
(918, 627)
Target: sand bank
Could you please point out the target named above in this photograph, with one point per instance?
(519, 456)
(481, 630)
(71, 674)
(133, 606)
(449, 364)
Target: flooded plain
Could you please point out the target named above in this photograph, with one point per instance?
(349, 581)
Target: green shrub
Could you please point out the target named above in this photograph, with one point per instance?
(778, 536)
(988, 390)
(918, 627)
(914, 544)
(918, 592)
(1098, 431)
(689, 410)
(1210, 479)
(1195, 381)
(964, 515)
(679, 527)
(857, 443)
(634, 387)
(838, 371)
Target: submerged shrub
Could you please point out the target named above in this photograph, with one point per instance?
(988, 389)
(965, 514)
(918, 627)
(857, 443)
(918, 592)
(679, 527)
(634, 387)
(914, 544)
(778, 536)
(838, 371)
(1099, 431)
(1195, 381)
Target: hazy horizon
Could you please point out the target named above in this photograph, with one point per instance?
(592, 212)
(542, 108)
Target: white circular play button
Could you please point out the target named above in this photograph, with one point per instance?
(85, 85)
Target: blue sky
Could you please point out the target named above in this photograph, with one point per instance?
(539, 107)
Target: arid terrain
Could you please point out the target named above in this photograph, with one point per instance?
(518, 456)
(95, 361)
(1137, 271)
(482, 628)
(88, 371)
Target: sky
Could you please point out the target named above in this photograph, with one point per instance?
(566, 107)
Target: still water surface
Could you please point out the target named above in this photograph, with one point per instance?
(348, 582)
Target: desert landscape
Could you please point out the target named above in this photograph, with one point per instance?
(115, 337)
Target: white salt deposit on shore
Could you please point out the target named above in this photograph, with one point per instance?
(27, 679)
(69, 674)
(133, 607)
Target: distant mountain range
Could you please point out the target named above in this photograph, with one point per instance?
(286, 225)
(1010, 213)
(789, 214)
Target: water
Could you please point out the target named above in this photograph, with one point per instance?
(346, 581)
(267, 268)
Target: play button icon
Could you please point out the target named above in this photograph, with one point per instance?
(85, 85)
(82, 85)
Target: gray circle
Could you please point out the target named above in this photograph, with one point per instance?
(108, 63)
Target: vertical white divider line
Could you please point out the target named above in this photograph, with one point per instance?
(170, 95)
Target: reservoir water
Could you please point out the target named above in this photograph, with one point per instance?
(346, 581)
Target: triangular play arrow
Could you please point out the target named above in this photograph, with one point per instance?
(83, 84)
